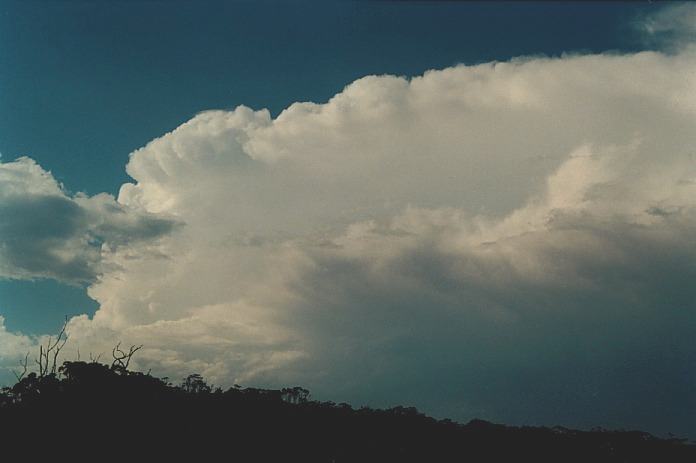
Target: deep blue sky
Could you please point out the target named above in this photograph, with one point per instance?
(82, 84)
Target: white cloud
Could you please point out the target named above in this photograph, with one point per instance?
(509, 240)
(13, 348)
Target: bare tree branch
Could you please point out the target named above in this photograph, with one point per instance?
(48, 356)
(24, 364)
(39, 361)
(121, 358)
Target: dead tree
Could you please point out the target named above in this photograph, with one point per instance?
(48, 356)
(24, 365)
(121, 358)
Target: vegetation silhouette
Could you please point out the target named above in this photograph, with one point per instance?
(93, 411)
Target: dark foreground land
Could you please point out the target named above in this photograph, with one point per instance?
(93, 412)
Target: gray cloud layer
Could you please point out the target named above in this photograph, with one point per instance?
(512, 240)
(45, 233)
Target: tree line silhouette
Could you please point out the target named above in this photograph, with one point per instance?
(92, 411)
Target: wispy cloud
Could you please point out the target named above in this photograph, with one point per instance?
(671, 27)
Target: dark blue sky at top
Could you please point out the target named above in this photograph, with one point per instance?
(83, 84)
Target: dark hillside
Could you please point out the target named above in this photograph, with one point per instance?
(93, 412)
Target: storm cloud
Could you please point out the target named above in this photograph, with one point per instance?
(511, 240)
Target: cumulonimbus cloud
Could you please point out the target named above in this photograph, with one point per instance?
(510, 240)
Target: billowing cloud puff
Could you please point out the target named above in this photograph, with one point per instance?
(46, 233)
(508, 240)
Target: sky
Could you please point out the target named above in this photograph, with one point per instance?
(480, 209)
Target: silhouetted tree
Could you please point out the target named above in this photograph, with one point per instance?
(24, 364)
(294, 395)
(93, 412)
(122, 359)
(195, 384)
(48, 355)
